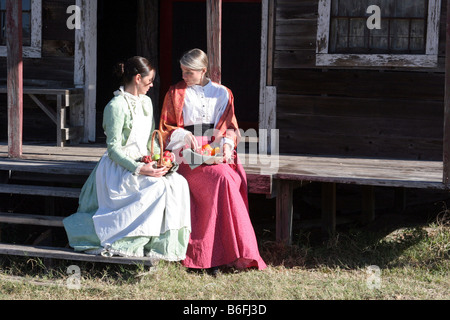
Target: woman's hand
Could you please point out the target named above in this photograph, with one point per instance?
(227, 153)
(191, 141)
(150, 170)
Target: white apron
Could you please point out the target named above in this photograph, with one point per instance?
(137, 205)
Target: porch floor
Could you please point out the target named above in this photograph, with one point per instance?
(360, 171)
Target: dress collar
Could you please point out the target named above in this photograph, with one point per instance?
(132, 97)
(198, 87)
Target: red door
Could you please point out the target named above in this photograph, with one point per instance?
(183, 27)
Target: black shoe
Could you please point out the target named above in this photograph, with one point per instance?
(194, 270)
(214, 271)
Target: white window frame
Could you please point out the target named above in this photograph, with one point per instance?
(427, 60)
(35, 49)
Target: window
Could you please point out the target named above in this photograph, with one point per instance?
(31, 28)
(378, 33)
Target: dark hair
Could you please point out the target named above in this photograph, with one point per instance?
(132, 67)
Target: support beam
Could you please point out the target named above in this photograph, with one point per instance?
(85, 65)
(15, 77)
(368, 204)
(214, 38)
(328, 208)
(446, 175)
(285, 211)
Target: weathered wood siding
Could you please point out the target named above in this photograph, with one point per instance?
(55, 69)
(56, 65)
(368, 112)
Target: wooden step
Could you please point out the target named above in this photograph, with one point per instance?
(48, 166)
(31, 219)
(40, 190)
(68, 254)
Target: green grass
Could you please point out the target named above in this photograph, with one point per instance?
(414, 263)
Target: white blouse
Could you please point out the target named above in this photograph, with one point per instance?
(202, 105)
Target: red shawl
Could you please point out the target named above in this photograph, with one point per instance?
(172, 115)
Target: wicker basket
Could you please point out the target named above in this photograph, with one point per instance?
(160, 163)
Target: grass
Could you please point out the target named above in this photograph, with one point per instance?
(414, 263)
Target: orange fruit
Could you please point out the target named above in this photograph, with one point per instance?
(215, 151)
(207, 147)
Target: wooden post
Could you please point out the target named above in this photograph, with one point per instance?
(268, 93)
(285, 211)
(368, 204)
(214, 38)
(15, 77)
(328, 208)
(446, 177)
(85, 66)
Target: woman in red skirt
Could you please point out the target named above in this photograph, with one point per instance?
(222, 233)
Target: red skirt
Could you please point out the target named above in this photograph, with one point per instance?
(222, 233)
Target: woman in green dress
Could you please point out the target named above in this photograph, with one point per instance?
(127, 207)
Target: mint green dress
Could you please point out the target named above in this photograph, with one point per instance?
(121, 212)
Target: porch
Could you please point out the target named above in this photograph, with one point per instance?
(270, 175)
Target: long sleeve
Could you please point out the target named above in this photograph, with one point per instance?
(117, 129)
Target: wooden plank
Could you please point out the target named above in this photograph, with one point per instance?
(361, 83)
(46, 91)
(68, 254)
(71, 153)
(15, 76)
(49, 167)
(446, 145)
(359, 108)
(267, 121)
(259, 184)
(40, 190)
(214, 38)
(30, 219)
(370, 171)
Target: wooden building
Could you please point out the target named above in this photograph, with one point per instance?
(344, 89)
(338, 99)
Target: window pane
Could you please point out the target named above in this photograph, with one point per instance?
(3, 30)
(26, 5)
(410, 8)
(378, 38)
(417, 40)
(399, 35)
(338, 34)
(26, 22)
(26, 29)
(357, 39)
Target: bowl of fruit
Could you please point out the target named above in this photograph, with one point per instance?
(207, 154)
(211, 155)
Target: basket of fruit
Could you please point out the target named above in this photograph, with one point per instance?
(162, 159)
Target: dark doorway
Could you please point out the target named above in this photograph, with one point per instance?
(116, 42)
(183, 27)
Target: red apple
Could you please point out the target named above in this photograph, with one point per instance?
(169, 155)
(146, 159)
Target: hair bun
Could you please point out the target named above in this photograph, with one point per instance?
(119, 70)
(125, 71)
